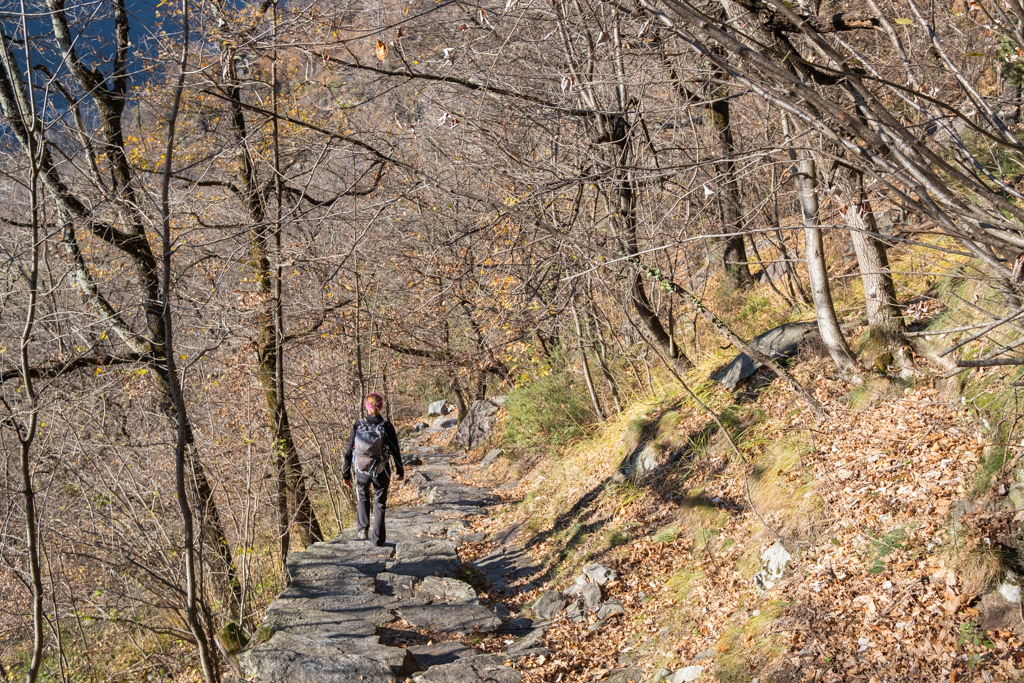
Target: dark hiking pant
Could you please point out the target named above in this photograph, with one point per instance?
(380, 485)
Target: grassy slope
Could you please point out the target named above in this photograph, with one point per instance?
(884, 581)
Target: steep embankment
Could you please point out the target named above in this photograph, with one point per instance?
(883, 517)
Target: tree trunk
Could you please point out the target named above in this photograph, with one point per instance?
(824, 310)
(585, 366)
(886, 329)
(734, 255)
(269, 352)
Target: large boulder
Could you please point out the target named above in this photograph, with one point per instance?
(439, 408)
(479, 421)
(777, 343)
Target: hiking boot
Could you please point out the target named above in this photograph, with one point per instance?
(361, 535)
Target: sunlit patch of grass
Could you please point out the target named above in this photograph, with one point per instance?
(749, 644)
(667, 535)
(682, 582)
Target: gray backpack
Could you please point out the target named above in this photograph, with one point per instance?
(368, 450)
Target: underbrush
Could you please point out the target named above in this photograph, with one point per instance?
(546, 413)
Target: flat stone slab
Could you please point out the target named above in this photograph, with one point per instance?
(398, 659)
(483, 668)
(313, 621)
(457, 618)
(422, 567)
(440, 589)
(397, 585)
(440, 653)
(299, 658)
(425, 548)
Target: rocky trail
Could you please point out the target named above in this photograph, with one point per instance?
(357, 612)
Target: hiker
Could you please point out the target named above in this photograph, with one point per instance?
(372, 440)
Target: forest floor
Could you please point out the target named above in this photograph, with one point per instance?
(890, 510)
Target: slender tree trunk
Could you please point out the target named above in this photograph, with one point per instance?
(625, 212)
(461, 404)
(585, 366)
(181, 449)
(269, 350)
(886, 329)
(824, 310)
(734, 255)
(609, 378)
(28, 428)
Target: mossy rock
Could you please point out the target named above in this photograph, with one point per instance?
(232, 637)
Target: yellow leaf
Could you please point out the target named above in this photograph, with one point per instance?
(903, 22)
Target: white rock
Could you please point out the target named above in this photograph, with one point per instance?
(687, 674)
(773, 563)
(1010, 591)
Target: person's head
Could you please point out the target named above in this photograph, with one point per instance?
(374, 403)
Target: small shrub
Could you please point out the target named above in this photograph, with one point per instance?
(546, 414)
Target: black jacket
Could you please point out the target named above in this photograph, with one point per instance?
(390, 444)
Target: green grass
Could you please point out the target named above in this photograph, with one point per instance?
(682, 582)
(667, 535)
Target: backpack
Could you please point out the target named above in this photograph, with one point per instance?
(368, 450)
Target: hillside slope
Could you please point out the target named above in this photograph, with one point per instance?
(890, 511)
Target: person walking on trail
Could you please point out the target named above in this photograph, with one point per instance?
(372, 441)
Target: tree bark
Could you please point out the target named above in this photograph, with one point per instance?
(824, 310)
(734, 255)
(269, 351)
(886, 328)
(585, 367)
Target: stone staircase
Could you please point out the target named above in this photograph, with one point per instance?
(326, 625)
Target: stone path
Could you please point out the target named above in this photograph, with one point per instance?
(326, 626)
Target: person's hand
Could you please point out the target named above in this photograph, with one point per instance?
(348, 483)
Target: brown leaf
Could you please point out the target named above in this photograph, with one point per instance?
(382, 50)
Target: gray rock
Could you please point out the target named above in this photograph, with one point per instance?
(299, 657)
(483, 668)
(491, 457)
(660, 675)
(499, 610)
(631, 675)
(999, 610)
(518, 625)
(610, 609)
(419, 427)
(646, 458)
(397, 585)
(577, 610)
(777, 343)
(548, 605)
(591, 594)
(424, 548)
(440, 653)
(687, 674)
(774, 562)
(459, 618)
(479, 420)
(445, 422)
(422, 567)
(600, 574)
(439, 408)
(448, 590)
(531, 641)
(705, 654)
